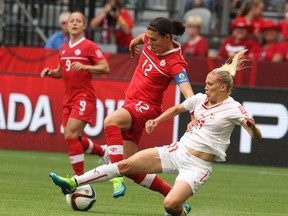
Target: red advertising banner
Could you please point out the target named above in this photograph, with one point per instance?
(31, 110)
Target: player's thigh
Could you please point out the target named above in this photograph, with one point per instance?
(130, 148)
(179, 193)
(120, 117)
(145, 161)
(74, 127)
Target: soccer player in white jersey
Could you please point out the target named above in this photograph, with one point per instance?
(216, 113)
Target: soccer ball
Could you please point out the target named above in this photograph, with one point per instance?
(82, 199)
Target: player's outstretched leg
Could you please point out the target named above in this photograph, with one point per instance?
(67, 185)
(186, 210)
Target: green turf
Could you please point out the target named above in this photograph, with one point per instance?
(231, 190)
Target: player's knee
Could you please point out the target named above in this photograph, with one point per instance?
(172, 206)
(124, 166)
(109, 120)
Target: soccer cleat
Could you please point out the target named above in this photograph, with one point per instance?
(119, 187)
(105, 159)
(67, 185)
(186, 208)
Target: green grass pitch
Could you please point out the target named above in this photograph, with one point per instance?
(232, 190)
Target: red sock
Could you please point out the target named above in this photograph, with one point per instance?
(90, 147)
(114, 142)
(76, 155)
(152, 182)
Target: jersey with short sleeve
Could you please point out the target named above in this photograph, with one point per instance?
(215, 124)
(78, 84)
(154, 72)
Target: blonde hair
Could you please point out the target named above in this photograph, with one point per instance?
(64, 16)
(227, 72)
(194, 20)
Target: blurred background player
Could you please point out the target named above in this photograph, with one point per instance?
(196, 44)
(160, 63)
(239, 40)
(79, 59)
(114, 18)
(57, 39)
(190, 158)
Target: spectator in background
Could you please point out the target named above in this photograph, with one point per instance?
(284, 23)
(60, 37)
(239, 40)
(114, 18)
(196, 45)
(269, 44)
(190, 4)
(252, 11)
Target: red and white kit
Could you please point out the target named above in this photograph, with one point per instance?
(79, 97)
(151, 78)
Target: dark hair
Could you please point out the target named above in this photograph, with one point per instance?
(248, 5)
(165, 26)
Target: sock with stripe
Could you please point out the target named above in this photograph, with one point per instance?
(99, 174)
(114, 142)
(152, 182)
(76, 155)
(91, 147)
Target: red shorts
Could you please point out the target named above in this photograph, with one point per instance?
(82, 110)
(140, 112)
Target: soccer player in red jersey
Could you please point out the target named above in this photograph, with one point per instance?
(79, 59)
(160, 63)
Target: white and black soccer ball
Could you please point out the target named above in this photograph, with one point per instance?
(82, 199)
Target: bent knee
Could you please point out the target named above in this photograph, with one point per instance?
(172, 206)
(124, 167)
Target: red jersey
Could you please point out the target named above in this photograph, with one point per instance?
(261, 53)
(200, 48)
(229, 48)
(257, 24)
(78, 84)
(121, 38)
(153, 74)
(284, 29)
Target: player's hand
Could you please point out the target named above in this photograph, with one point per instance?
(150, 125)
(250, 122)
(133, 48)
(77, 66)
(45, 72)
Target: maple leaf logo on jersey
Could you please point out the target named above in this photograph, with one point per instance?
(77, 52)
(162, 63)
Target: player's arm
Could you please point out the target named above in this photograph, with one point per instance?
(251, 128)
(100, 67)
(168, 114)
(54, 73)
(187, 91)
(133, 47)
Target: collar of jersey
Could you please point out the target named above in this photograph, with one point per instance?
(75, 44)
(172, 50)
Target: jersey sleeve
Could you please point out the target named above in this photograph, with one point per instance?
(239, 114)
(95, 53)
(191, 102)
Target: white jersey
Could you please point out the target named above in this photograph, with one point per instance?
(215, 125)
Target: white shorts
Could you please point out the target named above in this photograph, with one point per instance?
(175, 158)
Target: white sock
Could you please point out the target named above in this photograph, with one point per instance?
(99, 174)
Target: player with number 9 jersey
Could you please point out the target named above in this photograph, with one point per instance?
(79, 59)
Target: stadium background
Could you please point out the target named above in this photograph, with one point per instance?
(30, 107)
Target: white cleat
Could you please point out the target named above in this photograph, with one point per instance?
(105, 159)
